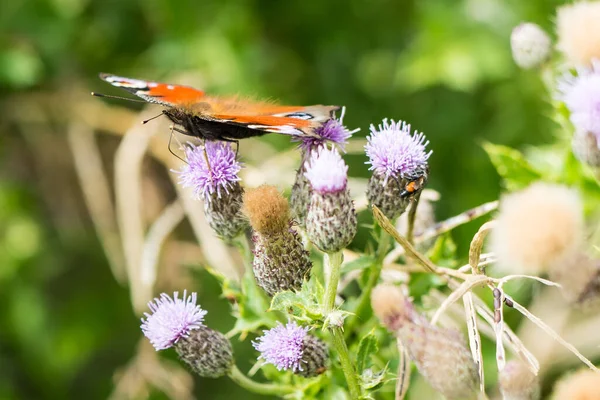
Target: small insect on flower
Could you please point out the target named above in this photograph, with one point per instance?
(224, 118)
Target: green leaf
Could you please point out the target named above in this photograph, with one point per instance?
(252, 307)
(443, 252)
(360, 263)
(512, 166)
(367, 346)
(304, 305)
(373, 380)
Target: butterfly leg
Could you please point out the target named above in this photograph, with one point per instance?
(171, 140)
(237, 145)
(206, 158)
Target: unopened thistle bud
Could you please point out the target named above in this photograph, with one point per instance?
(218, 185)
(291, 347)
(178, 323)
(280, 260)
(399, 163)
(530, 45)
(331, 221)
(517, 382)
(581, 385)
(439, 354)
(300, 196)
(332, 131)
(586, 147)
(579, 32)
(579, 278)
(537, 228)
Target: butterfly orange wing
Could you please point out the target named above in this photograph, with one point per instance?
(266, 117)
(156, 92)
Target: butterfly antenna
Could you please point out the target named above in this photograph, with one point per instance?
(144, 122)
(118, 97)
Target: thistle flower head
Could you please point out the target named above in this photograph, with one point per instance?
(537, 228)
(171, 319)
(581, 385)
(216, 177)
(439, 354)
(394, 152)
(581, 95)
(332, 131)
(530, 45)
(517, 382)
(267, 210)
(579, 32)
(326, 171)
(283, 346)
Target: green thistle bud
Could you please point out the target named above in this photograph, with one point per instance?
(206, 351)
(300, 197)
(331, 220)
(586, 148)
(280, 260)
(223, 212)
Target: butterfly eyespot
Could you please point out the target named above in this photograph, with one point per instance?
(299, 115)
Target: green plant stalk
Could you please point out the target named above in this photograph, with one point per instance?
(334, 261)
(347, 366)
(412, 214)
(262, 388)
(365, 297)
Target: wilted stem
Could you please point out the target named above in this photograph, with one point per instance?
(334, 265)
(263, 388)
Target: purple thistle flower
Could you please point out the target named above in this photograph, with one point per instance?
(581, 95)
(171, 319)
(283, 346)
(394, 152)
(326, 171)
(222, 174)
(331, 131)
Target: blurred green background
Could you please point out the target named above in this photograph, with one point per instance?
(444, 66)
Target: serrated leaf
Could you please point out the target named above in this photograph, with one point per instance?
(360, 263)
(301, 305)
(367, 346)
(372, 380)
(512, 166)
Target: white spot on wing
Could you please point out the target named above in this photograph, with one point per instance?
(126, 82)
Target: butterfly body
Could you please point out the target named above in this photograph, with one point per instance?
(221, 118)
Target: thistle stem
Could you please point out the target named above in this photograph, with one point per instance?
(347, 366)
(262, 388)
(333, 263)
(365, 297)
(412, 214)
